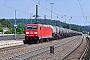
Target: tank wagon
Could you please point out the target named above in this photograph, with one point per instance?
(35, 33)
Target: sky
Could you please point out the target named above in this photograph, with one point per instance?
(71, 11)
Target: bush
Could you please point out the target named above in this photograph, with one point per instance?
(19, 29)
(8, 32)
(1, 28)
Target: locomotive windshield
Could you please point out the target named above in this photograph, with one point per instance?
(32, 27)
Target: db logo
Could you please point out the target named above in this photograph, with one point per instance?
(31, 32)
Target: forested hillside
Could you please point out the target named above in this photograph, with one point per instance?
(23, 22)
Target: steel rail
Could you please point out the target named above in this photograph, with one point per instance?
(70, 51)
(84, 53)
(29, 54)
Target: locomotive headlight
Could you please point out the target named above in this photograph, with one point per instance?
(27, 32)
(35, 32)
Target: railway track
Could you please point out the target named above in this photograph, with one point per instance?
(60, 52)
(31, 51)
(80, 53)
(86, 50)
(71, 51)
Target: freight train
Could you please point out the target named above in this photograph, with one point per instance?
(36, 33)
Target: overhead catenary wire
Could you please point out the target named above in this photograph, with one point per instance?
(14, 8)
(46, 8)
(7, 6)
(39, 3)
(21, 5)
(25, 9)
(85, 17)
(81, 7)
(55, 9)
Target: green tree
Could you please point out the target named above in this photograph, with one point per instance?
(1, 28)
(5, 23)
(76, 28)
(85, 32)
(66, 26)
(8, 32)
(13, 30)
(19, 29)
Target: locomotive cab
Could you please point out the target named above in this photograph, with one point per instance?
(31, 32)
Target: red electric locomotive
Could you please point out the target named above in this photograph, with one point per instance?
(35, 33)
